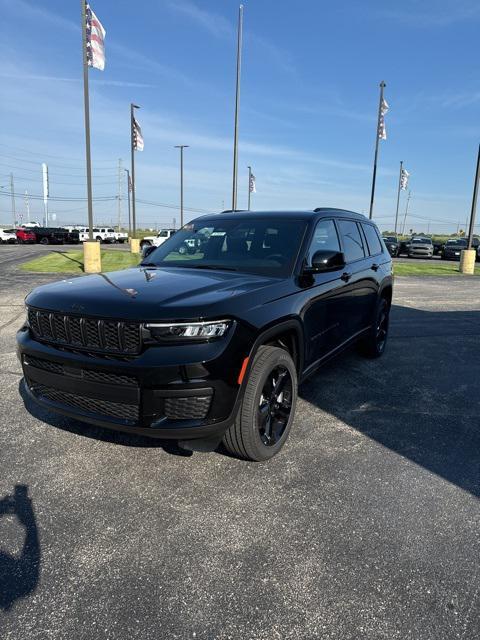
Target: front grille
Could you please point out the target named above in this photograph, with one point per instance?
(91, 405)
(86, 333)
(88, 375)
(188, 408)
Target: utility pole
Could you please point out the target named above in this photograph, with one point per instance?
(27, 206)
(120, 177)
(398, 194)
(128, 198)
(377, 140)
(474, 202)
(12, 192)
(181, 147)
(237, 108)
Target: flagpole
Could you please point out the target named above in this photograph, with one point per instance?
(398, 194)
(237, 107)
(128, 198)
(249, 185)
(86, 100)
(406, 212)
(132, 151)
(474, 202)
(374, 178)
(181, 147)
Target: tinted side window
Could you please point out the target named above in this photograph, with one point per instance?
(373, 241)
(352, 240)
(325, 238)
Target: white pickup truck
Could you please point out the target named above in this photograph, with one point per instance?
(157, 240)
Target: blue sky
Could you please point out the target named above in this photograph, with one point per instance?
(308, 106)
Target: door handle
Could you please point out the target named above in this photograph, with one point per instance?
(346, 276)
(375, 266)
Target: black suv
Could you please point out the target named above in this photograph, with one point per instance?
(211, 345)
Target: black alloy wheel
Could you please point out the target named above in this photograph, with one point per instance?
(267, 410)
(374, 343)
(275, 406)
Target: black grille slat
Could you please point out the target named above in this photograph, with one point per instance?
(90, 334)
(88, 375)
(91, 405)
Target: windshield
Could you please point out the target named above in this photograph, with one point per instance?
(390, 238)
(459, 242)
(421, 241)
(252, 245)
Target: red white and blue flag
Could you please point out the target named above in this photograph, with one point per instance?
(137, 136)
(382, 131)
(95, 40)
(253, 184)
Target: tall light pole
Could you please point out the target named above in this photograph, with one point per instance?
(132, 151)
(237, 108)
(128, 199)
(181, 147)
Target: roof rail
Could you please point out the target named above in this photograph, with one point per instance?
(234, 210)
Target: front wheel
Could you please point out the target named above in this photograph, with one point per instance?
(266, 413)
(44, 241)
(373, 345)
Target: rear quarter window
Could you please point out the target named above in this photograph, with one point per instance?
(373, 241)
(352, 240)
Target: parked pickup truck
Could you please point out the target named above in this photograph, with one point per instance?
(156, 241)
(55, 235)
(8, 236)
(104, 234)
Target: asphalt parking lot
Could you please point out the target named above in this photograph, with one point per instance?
(367, 525)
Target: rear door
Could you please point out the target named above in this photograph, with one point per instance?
(322, 313)
(358, 276)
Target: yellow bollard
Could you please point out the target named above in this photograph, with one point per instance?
(467, 261)
(92, 261)
(135, 245)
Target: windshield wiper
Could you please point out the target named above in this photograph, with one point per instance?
(212, 266)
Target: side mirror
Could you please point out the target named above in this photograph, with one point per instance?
(148, 250)
(324, 260)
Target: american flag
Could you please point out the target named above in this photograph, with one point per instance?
(137, 136)
(253, 184)
(382, 132)
(95, 40)
(404, 180)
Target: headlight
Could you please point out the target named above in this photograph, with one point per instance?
(188, 331)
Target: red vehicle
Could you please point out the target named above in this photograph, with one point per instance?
(25, 236)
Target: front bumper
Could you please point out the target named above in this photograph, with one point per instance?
(420, 253)
(153, 394)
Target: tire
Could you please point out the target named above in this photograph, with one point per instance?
(144, 244)
(99, 239)
(253, 435)
(373, 345)
(44, 241)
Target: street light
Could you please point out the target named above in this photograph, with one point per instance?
(181, 147)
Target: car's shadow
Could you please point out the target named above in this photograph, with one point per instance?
(421, 399)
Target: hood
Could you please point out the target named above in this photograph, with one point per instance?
(157, 294)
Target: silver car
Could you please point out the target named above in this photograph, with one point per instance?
(420, 247)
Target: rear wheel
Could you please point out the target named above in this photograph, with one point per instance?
(265, 416)
(44, 241)
(373, 345)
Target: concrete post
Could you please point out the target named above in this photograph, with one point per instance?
(92, 262)
(467, 261)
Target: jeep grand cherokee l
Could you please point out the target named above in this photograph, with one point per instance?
(212, 345)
